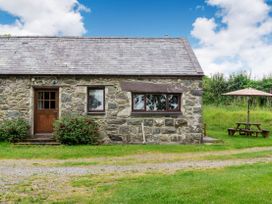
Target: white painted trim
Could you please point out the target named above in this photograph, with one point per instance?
(32, 111)
(60, 103)
(86, 100)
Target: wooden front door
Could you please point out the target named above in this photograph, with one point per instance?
(46, 110)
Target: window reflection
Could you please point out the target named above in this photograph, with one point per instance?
(96, 100)
(156, 102)
(139, 102)
(173, 102)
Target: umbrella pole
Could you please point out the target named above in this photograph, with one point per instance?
(248, 111)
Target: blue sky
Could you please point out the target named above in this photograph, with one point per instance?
(138, 18)
(149, 18)
(227, 35)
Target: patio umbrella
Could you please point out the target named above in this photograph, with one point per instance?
(249, 92)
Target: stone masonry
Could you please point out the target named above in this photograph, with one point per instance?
(118, 124)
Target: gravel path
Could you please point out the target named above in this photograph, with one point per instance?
(15, 171)
(106, 169)
(138, 158)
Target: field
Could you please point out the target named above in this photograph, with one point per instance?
(236, 171)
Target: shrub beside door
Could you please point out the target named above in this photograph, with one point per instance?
(75, 130)
(14, 130)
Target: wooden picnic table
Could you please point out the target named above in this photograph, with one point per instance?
(248, 125)
(249, 129)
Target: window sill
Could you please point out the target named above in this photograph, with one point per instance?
(156, 113)
(96, 113)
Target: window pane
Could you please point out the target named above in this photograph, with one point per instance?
(40, 95)
(40, 105)
(156, 102)
(173, 102)
(53, 95)
(46, 105)
(138, 102)
(52, 104)
(46, 95)
(96, 100)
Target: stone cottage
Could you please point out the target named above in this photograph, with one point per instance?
(139, 89)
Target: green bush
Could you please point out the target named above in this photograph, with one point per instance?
(14, 130)
(75, 130)
(215, 85)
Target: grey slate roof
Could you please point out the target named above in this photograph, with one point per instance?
(97, 56)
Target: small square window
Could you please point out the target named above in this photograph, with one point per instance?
(47, 100)
(96, 99)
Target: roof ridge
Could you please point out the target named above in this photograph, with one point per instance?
(90, 37)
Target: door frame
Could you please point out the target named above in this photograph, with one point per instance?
(36, 89)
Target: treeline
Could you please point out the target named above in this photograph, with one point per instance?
(217, 84)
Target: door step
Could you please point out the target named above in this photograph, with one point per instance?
(211, 140)
(37, 143)
(39, 140)
(43, 135)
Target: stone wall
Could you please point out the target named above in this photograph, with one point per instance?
(117, 124)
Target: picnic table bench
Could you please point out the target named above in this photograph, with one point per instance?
(244, 128)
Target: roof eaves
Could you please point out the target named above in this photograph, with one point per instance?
(90, 37)
(84, 74)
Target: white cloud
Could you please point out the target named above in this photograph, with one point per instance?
(200, 7)
(44, 17)
(237, 38)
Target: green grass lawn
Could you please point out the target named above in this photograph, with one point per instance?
(238, 185)
(218, 119)
(221, 118)
(209, 186)
(243, 184)
(8, 151)
(245, 155)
